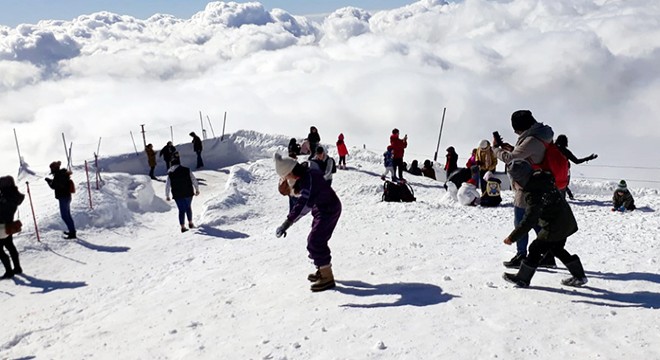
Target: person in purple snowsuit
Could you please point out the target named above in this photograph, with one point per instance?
(312, 193)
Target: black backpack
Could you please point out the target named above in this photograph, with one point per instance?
(398, 192)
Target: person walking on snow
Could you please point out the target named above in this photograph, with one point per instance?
(314, 141)
(562, 144)
(166, 153)
(63, 186)
(398, 149)
(183, 184)
(197, 148)
(151, 158)
(10, 199)
(312, 192)
(342, 151)
(548, 209)
(530, 146)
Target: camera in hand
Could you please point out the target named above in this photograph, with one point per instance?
(497, 139)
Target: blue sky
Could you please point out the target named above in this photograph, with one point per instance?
(14, 12)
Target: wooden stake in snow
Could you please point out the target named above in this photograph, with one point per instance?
(211, 126)
(435, 157)
(34, 217)
(223, 127)
(133, 140)
(89, 188)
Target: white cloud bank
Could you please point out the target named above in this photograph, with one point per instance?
(589, 68)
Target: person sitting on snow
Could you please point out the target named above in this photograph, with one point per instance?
(623, 199)
(468, 194)
(427, 169)
(491, 196)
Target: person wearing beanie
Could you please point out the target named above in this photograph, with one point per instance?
(451, 162)
(562, 144)
(427, 169)
(530, 146)
(10, 199)
(324, 163)
(64, 187)
(342, 151)
(398, 148)
(486, 160)
(183, 185)
(491, 197)
(197, 148)
(622, 198)
(388, 162)
(311, 192)
(547, 209)
(468, 194)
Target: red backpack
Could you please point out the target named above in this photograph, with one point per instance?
(555, 162)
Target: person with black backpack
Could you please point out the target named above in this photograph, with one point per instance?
(63, 186)
(183, 184)
(10, 199)
(324, 163)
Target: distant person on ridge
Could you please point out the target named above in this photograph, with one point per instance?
(414, 168)
(427, 169)
(64, 187)
(451, 162)
(10, 199)
(294, 148)
(398, 148)
(562, 144)
(151, 158)
(183, 184)
(472, 160)
(622, 198)
(197, 148)
(166, 153)
(342, 151)
(548, 209)
(314, 140)
(313, 193)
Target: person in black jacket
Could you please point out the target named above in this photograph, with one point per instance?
(10, 199)
(63, 186)
(197, 148)
(294, 148)
(547, 208)
(562, 144)
(166, 153)
(183, 184)
(451, 163)
(314, 140)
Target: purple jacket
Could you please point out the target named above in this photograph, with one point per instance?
(315, 193)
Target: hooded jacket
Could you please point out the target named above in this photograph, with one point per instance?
(10, 199)
(398, 146)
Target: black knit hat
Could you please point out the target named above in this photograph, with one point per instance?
(522, 120)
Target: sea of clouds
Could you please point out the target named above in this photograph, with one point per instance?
(589, 68)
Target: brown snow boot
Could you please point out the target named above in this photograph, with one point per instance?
(315, 276)
(325, 281)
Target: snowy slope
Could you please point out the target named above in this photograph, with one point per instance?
(415, 281)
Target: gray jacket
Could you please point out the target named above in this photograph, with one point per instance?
(530, 146)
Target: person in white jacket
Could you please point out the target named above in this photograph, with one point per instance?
(324, 163)
(468, 193)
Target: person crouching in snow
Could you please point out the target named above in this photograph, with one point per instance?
(491, 196)
(312, 192)
(468, 193)
(622, 198)
(546, 207)
(184, 185)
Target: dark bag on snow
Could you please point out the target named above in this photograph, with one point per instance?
(398, 192)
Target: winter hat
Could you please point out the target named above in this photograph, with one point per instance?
(488, 175)
(520, 171)
(54, 166)
(472, 181)
(622, 186)
(484, 144)
(7, 182)
(395, 131)
(451, 150)
(522, 120)
(561, 141)
(284, 166)
(192, 133)
(341, 136)
(319, 150)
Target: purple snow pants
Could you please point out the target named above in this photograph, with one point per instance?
(322, 227)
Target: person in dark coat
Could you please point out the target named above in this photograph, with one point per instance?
(183, 184)
(427, 169)
(491, 197)
(10, 199)
(313, 193)
(166, 153)
(451, 162)
(197, 148)
(548, 209)
(314, 140)
(151, 159)
(414, 168)
(398, 149)
(622, 199)
(294, 148)
(63, 186)
(562, 144)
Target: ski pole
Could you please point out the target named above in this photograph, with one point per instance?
(34, 217)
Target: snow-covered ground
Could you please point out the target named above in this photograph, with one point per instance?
(414, 280)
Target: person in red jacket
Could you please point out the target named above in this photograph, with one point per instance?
(342, 151)
(398, 148)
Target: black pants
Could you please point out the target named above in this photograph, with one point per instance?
(200, 163)
(151, 172)
(8, 243)
(342, 160)
(539, 248)
(398, 166)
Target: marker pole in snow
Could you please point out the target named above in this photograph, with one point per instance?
(96, 165)
(201, 121)
(171, 134)
(89, 188)
(66, 152)
(34, 217)
(211, 126)
(133, 139)
(70, 159)
(223, 127)
(144, 137)
(98, 149)
(435, 158)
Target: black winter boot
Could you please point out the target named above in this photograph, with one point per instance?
(17, 264)
(523, 277)
(5, 262)
(548, 261)
(515, 261)
(575, 268)
(71, 235)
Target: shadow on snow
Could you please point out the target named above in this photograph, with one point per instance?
(102, 248)
(225, 234)
(413, 294)
(46, 286)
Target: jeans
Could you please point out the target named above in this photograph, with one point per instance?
(185, 209)
(521, 244)
(65, 212)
